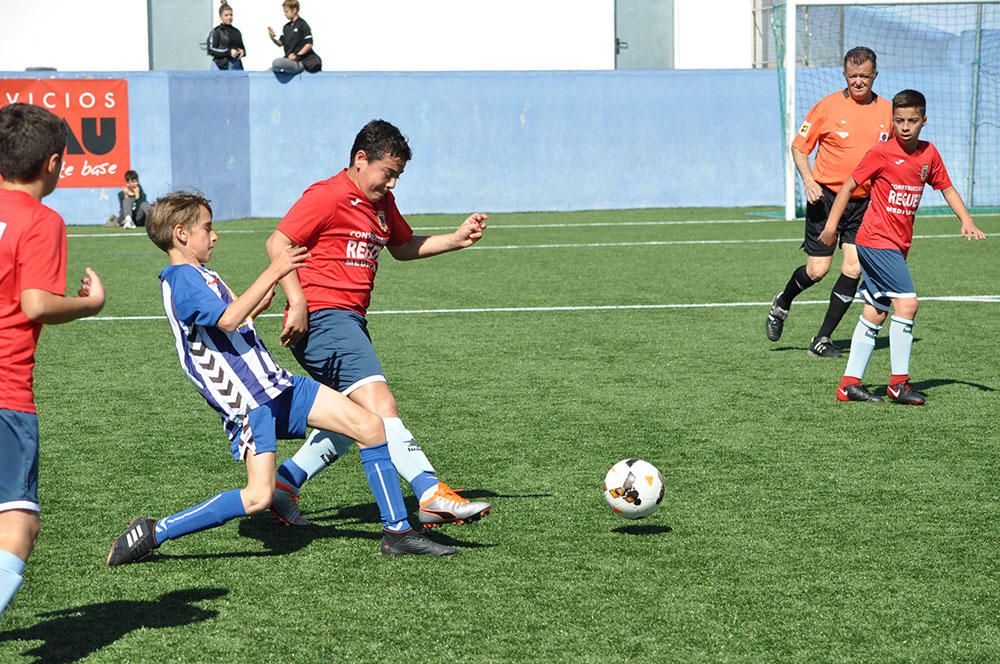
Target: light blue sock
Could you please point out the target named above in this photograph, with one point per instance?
(320, 450)
(862, 347)
(213, 512)
(11, 570)
(409, 459)
(384, 483)
(900, 345)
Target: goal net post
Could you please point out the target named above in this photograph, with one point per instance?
(947, 49)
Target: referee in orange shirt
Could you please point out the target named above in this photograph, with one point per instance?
(844, 126)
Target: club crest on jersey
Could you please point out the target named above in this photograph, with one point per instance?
(804, 129)
(924, 169)
(883, 137)
(382, 223)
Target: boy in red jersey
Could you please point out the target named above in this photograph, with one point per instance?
(345, 222)
(32, 287)
(898, 170)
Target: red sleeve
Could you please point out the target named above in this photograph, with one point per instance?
(399, 231)
(42, 255)
(307, 218)
(938, 177)
(870, 166)
(810, 131)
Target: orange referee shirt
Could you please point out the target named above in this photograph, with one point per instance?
(844, 130)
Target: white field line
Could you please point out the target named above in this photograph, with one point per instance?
(516, 227)
(982, 299)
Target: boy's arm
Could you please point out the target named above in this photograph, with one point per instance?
(829, 234)
(423, 246)
(283, 263)
(957, 205)
(297, 318)
(41, 306)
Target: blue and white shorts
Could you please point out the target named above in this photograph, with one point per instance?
(18, 460)
(283, 417)
(886, 277)
(338, 352)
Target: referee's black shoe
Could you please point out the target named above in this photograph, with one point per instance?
(775, 320)
(823, 347)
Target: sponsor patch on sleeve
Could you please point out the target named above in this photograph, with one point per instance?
(804, 129)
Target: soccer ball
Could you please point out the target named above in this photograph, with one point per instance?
(633, 488)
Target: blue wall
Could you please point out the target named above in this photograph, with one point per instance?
(491, 141)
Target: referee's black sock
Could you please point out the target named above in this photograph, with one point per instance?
(799, 282)
(840, 301)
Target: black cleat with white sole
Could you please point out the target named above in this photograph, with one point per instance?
(134, 545)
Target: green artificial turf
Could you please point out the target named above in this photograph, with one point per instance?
(794, 528)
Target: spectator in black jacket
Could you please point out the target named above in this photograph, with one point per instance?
(297, 40)
(225, 43)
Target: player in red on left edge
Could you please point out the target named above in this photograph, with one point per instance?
(32, 294)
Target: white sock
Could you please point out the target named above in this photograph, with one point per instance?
(320, 450)
(862, 347)
(11, 569)
(406, 455)
(900, 345)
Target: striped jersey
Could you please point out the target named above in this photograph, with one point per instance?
(233, 371)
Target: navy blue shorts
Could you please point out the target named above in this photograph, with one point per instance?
(885, 277)
(18, 460)
(338, 352)
(283, 417)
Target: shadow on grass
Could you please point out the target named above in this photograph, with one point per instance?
(642, 529)
(69, 635)
(881, 343)
(925, 385)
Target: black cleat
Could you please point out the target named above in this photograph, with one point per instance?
(134, 545)
(905, 394)
(856, 393)
(775, 320)
(823, 347)
(410, 542)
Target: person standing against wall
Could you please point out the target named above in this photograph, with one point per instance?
(225, 42)
(297, 40)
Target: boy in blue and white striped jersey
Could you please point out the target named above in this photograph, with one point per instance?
(259, 402)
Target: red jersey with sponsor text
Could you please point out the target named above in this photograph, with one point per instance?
(898, 179)
(345, 234)
(32, 256)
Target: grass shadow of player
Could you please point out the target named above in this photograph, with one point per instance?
(844, 345)
(642, 529)
(277, 539)
(927, 385)
(71, 634)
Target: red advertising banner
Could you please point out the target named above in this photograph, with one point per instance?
(96, 111)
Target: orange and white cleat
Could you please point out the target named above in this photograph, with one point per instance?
(446, 506)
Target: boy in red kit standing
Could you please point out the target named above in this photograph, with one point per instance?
(898, 170)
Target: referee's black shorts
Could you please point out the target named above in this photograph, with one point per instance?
(817, 214)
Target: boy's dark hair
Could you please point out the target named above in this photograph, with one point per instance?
(910, 99)
(859, 55)
(29, 136)
(131, 175)
(381, 140)
(169, 210)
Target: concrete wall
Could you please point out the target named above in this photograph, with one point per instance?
(493, 141)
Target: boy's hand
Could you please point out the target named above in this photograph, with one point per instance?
(288, 259)
(296, 324)
(92, 287)
(471, 230)
(828, 237)
(971, 232)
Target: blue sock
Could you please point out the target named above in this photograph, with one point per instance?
(384, 482)
(213, 512)
(290, 473)
(11, 570)
(423, 483)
